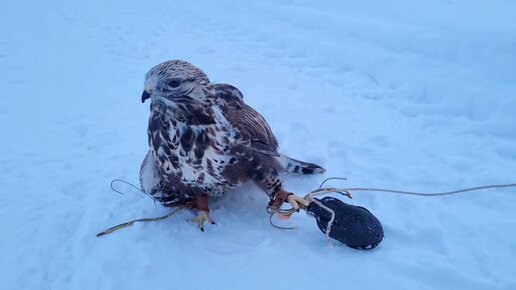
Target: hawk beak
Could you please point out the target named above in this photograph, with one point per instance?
(147, 91)
(145, 96)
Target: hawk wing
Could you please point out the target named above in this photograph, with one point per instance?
(251, 125)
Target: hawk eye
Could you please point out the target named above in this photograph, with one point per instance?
(174, 83)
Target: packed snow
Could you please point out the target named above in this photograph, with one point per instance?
(414, 95)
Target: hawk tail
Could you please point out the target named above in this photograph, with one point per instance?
(292, 165)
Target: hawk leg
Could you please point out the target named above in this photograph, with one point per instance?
(295, 201)
(273, 186)
(204, 212)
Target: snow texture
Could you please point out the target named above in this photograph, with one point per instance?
(415, 95)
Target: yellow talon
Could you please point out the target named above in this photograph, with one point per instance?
(201, 217)
(295, 201)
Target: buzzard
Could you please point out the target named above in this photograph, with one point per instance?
(205, 140)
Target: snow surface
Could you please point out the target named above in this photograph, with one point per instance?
(416, 95)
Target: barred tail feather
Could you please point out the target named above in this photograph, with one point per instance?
(292, 165)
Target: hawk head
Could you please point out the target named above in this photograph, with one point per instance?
(177, 81)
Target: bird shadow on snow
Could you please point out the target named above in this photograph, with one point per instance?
(242, 218)
(242, 222)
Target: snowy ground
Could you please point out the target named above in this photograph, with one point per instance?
(416, 95)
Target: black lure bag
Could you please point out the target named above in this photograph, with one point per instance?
(354, 225)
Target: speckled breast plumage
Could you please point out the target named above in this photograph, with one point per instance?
(192, 153)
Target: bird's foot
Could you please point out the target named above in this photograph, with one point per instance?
(296, 201)
(284, 196)
(201, 217)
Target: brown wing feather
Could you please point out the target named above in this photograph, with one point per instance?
(249, 122)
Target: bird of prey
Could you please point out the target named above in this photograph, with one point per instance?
(204, 140)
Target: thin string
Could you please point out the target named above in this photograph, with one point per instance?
(347, 192)
(331, 178)
(130, 184)
(126, 182)
(272, 213)
(351, 189)
(309, 196)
